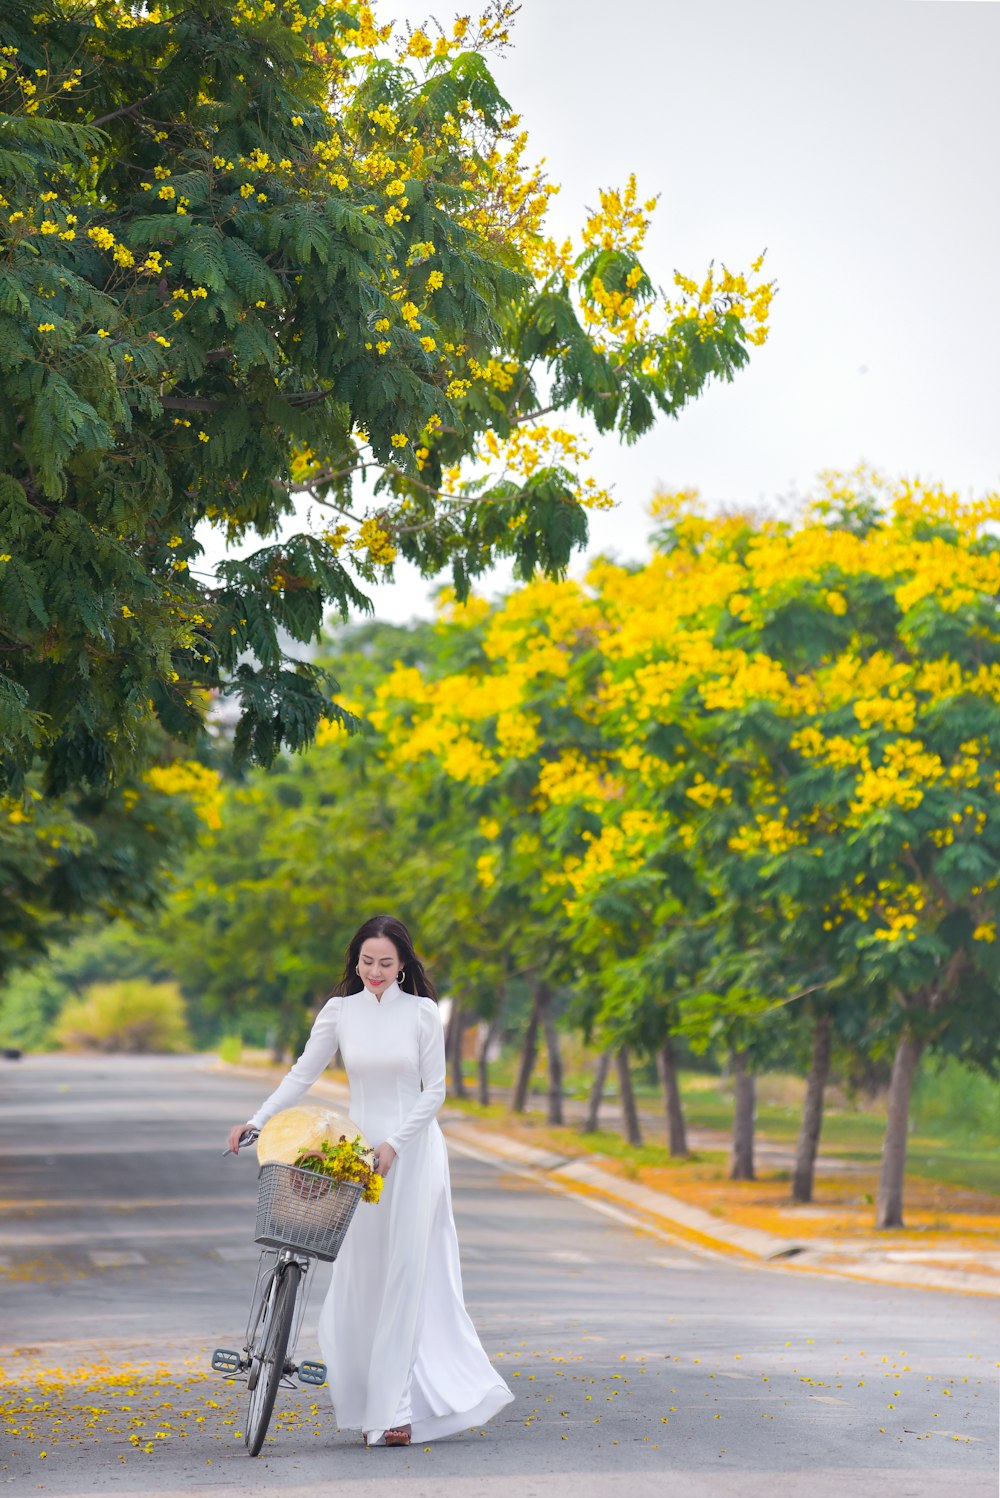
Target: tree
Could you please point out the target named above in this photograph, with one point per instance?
(767, 757)
(70, 861)
(255, 250)
(826, 693)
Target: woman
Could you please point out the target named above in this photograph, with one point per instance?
(403, 1355)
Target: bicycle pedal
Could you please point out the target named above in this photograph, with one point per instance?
(224, 1361)
(312, 1373)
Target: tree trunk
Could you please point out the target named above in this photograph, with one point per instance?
(555, 1059)
(676, 1132)
(741, 1163)
(630, 1113)
(456, 1025)
(889, 1203)
(590, 1122)
(290, 1033)
(529, 1047)
(812, 1111)
(484, 1059)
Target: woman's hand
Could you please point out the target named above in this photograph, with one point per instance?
(384, 1156)
(235, 1134)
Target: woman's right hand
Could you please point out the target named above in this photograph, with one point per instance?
(235, 1134)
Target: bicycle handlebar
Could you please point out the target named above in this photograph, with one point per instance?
(249, 1136)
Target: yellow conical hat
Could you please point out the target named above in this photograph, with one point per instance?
(288, 1133)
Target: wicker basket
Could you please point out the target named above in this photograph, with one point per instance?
(304, 1210)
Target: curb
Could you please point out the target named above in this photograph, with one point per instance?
(685, 1224)
(692, 1226)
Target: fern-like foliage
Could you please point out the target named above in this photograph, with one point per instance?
(245, 250)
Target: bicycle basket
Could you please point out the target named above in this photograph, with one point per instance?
(304, 1210)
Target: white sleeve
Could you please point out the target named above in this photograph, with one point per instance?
(319, 1051)
(432, 1075)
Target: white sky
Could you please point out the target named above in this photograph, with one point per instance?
(855, 139)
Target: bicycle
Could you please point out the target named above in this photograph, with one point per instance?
(301, 1215)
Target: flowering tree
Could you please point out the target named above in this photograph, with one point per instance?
(842, 680)
(779, 785)
(257, 248)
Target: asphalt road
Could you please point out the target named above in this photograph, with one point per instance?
(640, 1366)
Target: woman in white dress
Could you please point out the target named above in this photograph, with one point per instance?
(403, 1356)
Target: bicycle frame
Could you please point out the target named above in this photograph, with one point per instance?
(267, 1275)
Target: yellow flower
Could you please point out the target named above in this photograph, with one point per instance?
(399, 439)
(376, 541)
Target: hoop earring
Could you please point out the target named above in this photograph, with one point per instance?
(401, 975)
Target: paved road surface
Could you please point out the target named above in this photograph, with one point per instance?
(640, 1367)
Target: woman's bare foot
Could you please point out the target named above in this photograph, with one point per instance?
(398, 1435)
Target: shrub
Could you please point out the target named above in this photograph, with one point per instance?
(130, 1016)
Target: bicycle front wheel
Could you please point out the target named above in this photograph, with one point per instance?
(268, 1355)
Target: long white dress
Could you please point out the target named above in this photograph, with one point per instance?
(398, 1342)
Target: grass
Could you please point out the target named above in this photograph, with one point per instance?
(954, 1125)
(942, 1205)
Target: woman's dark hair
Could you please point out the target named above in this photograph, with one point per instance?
(414, 979)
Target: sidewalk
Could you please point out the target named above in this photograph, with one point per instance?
(891, 1258)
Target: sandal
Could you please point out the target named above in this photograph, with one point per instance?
(398, 1435)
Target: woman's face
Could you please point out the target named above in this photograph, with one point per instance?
(378, 963)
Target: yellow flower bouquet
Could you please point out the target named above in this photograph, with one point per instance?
(347, 1160)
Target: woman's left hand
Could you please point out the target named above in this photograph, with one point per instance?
(384, 1156)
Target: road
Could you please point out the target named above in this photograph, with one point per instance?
(640, 1366)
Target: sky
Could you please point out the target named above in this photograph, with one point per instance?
(855, 141)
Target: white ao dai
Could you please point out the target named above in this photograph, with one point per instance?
(394, 1331)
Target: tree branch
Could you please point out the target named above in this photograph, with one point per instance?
(206, 403)
(117, 113)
